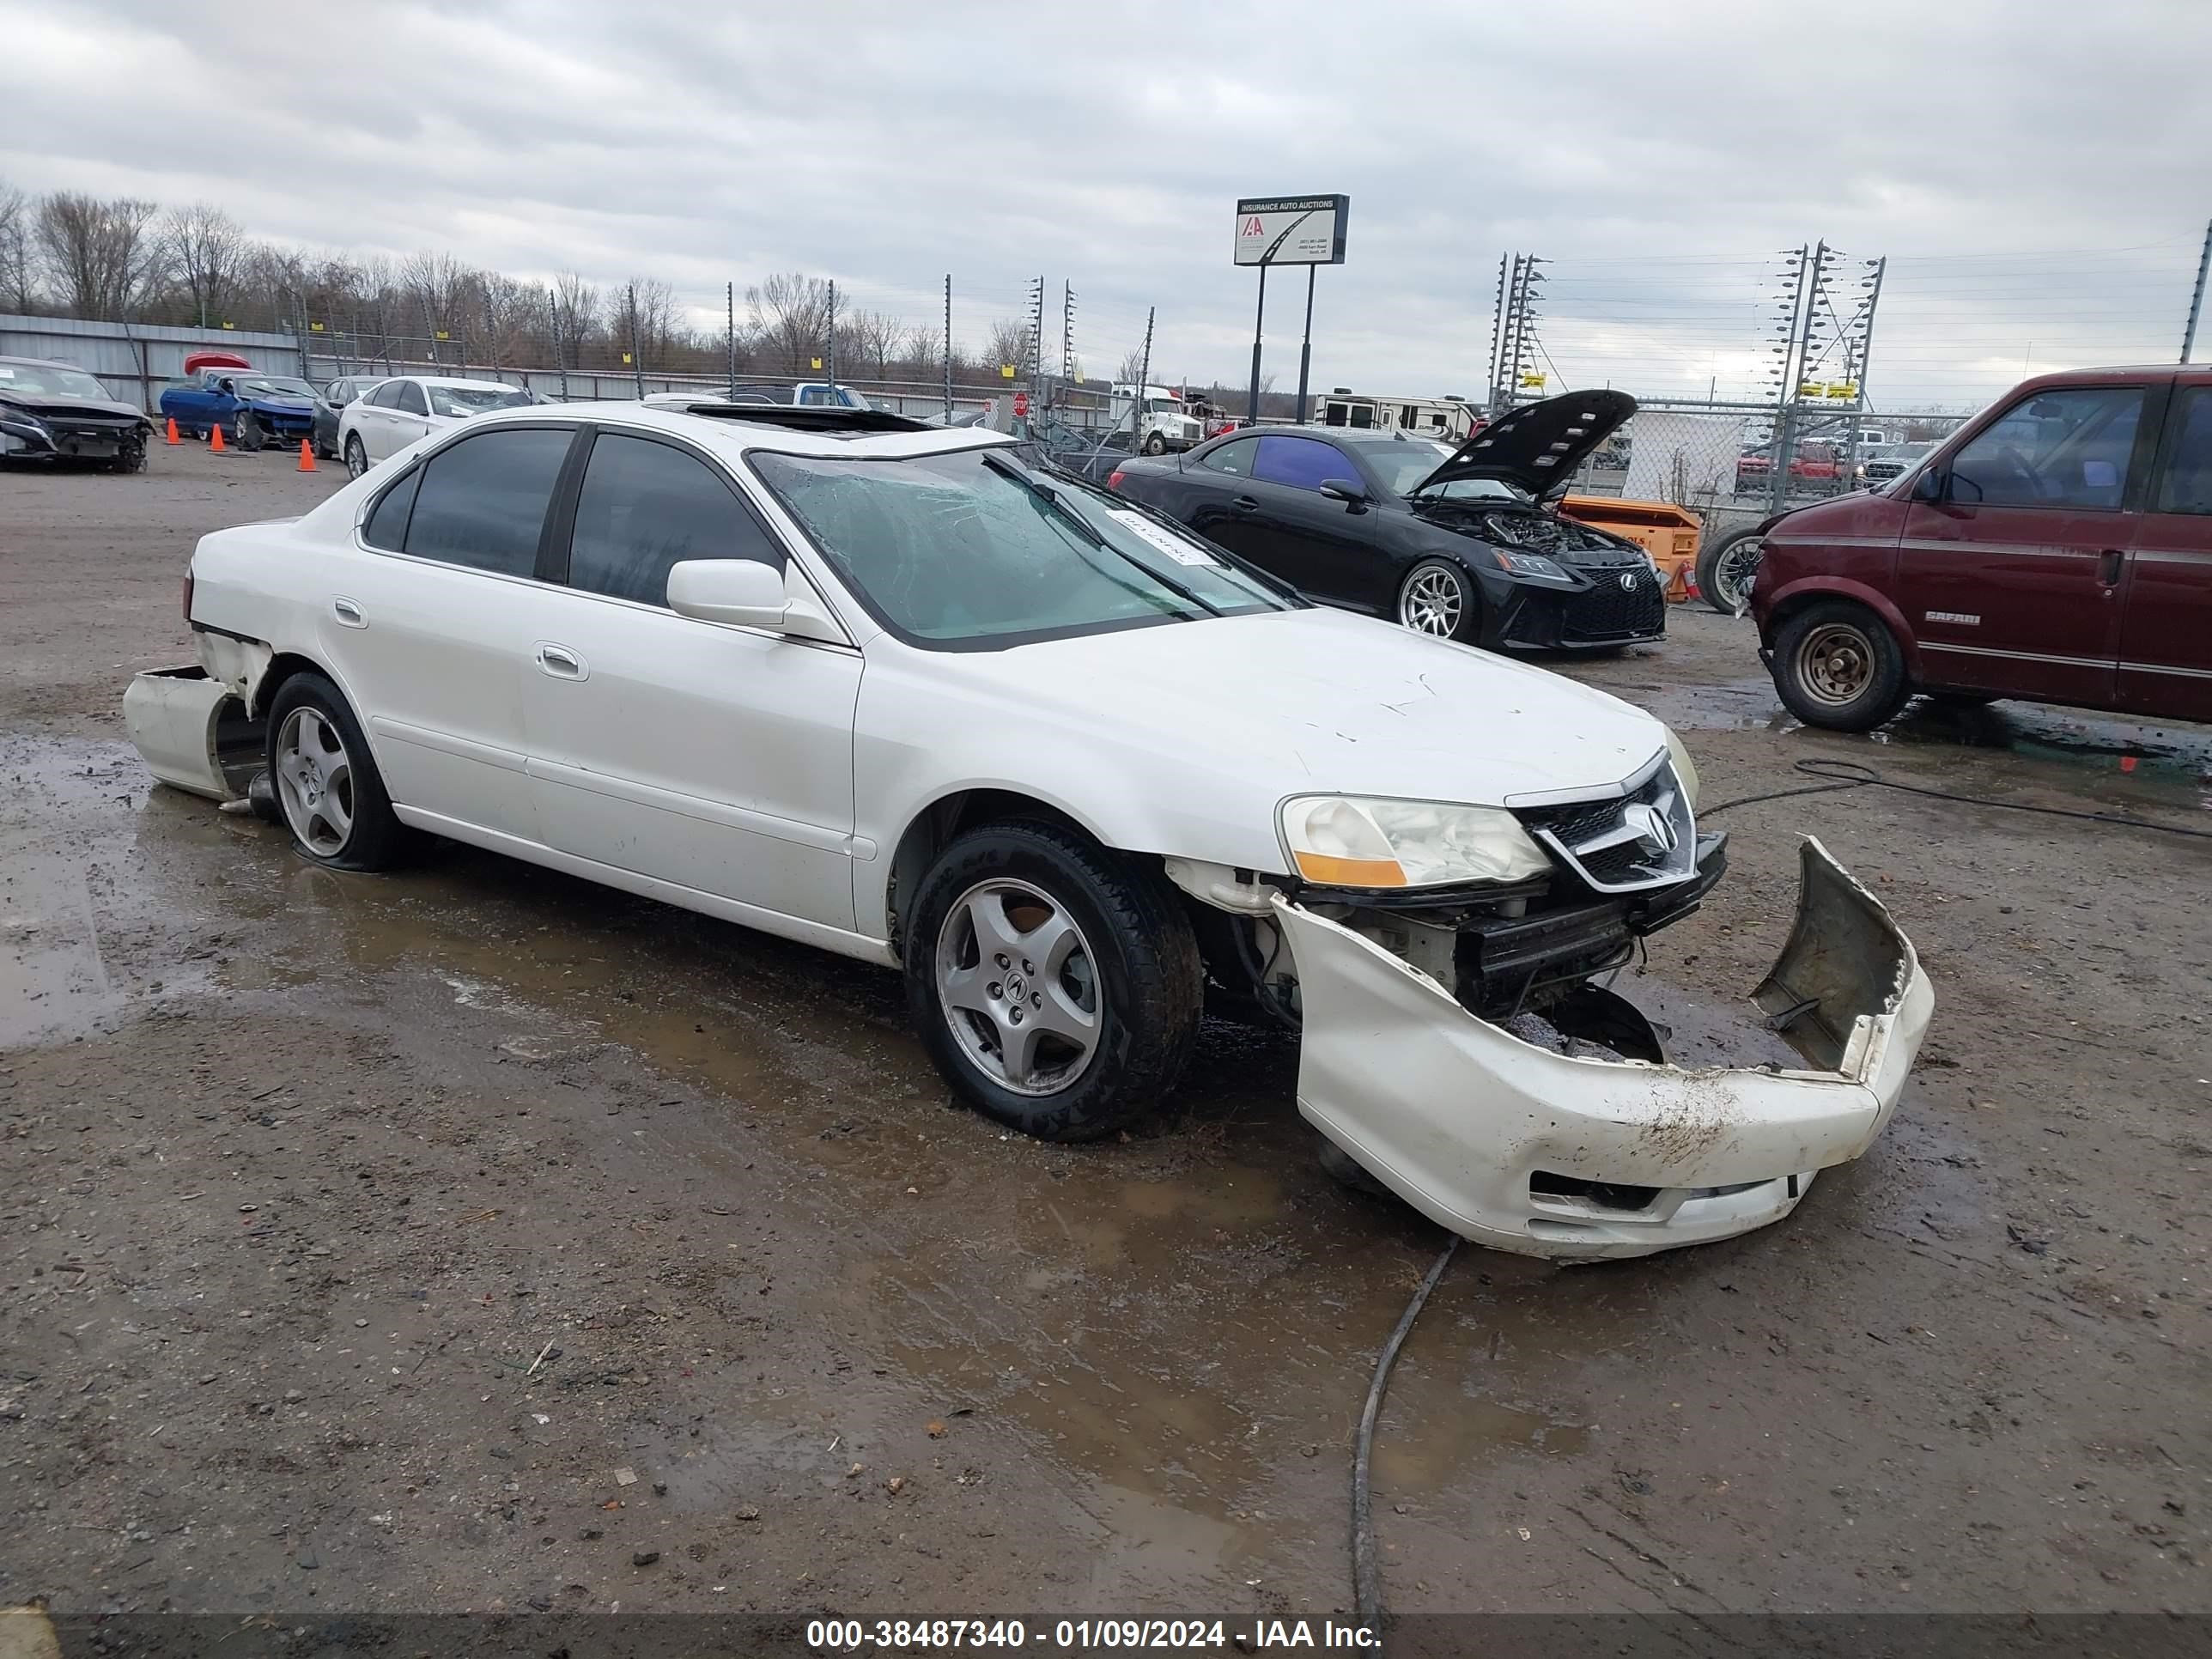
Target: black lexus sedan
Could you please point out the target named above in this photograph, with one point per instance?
(1462, 543)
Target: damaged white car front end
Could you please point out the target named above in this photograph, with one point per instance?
(1578, 1158)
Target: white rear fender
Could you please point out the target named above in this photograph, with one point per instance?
(1544, 1154)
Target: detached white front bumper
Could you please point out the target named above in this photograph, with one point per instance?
(1456, 1115)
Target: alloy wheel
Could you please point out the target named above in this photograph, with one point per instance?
(1835, 664)
(1735, 570)
(1019, 987)
(314, 782)
(356, 458)
(1431, 602)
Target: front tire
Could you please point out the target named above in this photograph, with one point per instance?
(1438, 598)
(1726, 570)
(356, 457)
(1057, 989)
(332, 796)
(1156, 445)
(245, 432)
(1836, 664)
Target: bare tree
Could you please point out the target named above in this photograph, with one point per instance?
(17, 286)
(1134, 364)
(432, 281)
(206, 250)
(101, 255)
(576, 308)
(878, 341)
(791, 312)
(1008, 343)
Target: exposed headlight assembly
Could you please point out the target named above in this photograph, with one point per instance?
(1686, 769)
(1341, 841)
(1530, 564)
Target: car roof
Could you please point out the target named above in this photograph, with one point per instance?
(445, 380)
(762, 426)
(46, 363)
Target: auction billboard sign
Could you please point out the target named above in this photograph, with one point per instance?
(1292, 230)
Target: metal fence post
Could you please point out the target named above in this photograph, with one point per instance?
(2196, 297)
(636, 355)
(948, 348)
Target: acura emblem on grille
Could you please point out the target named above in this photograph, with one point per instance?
(1655, 831)
(1628, 581)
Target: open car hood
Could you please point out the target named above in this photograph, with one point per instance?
(1537, 449)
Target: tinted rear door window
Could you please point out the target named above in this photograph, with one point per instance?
(385, 396)
(645, 507)
(1302, 463)
(387, 520)
(411, 398)
(482, 501)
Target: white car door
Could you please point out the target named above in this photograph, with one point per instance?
(406, 420)
(371, 416)
(718, 758)
(428, 630)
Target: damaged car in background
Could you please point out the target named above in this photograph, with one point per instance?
(901, 694)
(58, 412)
(1463, 541)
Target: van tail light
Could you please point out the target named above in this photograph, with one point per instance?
(1113, 479)
(188, 596)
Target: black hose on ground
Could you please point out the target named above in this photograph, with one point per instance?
(1367, 1570)
(1849, 775)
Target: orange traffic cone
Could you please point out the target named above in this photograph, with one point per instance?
(215, 440)
(173, 438)
(306, 456)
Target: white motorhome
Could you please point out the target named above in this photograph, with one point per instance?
(1166, 422)
(1453, 419)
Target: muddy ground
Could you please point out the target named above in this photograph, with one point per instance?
(473, 1237)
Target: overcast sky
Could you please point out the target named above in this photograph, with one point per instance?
(1660, 154)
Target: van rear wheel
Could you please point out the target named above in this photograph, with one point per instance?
(1838, 666)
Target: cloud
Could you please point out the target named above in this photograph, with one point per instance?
(1658, 155)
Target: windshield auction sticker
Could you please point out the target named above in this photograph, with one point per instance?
(1176, 547)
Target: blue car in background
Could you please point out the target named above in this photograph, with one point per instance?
(253, 408)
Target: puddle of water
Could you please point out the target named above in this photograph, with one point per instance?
(51, 974)
(2128, 759)
(2161, 762)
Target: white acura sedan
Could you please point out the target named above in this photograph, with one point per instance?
(914, 696)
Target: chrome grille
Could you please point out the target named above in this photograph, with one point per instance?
(1645, 836)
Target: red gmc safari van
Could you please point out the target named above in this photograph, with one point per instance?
(2059, 547)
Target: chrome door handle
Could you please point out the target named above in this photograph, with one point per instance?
(1244, 504)
(348, 613)
(2108, 567)
(560, 662)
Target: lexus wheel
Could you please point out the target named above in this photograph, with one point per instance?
(327, 785)
(1726, 570)
(1836, 664)
(1057, 989)
(356, 457)
(1437, 598)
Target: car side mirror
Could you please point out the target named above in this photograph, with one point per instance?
(746, 594)
(1929, 486)
(1345, 491)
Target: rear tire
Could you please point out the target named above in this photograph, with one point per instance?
(326, 783)
(1057, 989)
(1837, 665)
(1725, 570)
(356, 457)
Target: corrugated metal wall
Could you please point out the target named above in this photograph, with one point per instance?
(137, 362)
